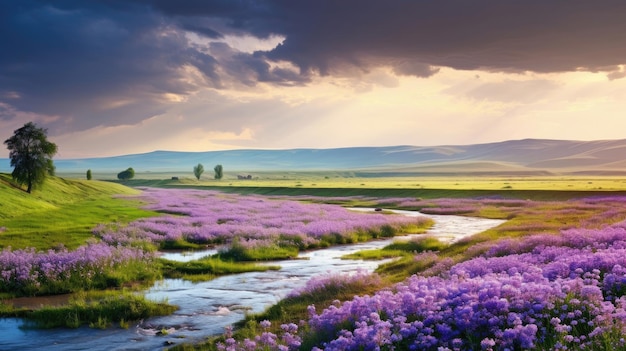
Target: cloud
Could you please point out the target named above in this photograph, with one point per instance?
(94, 66)
(325, 36)
(110, 63)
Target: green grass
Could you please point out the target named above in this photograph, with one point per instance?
(207, 268)
(356, 180)
(62, 212)
(263, 253)
(404, 252)
(400, 249)
(95, 309)
(553, 190)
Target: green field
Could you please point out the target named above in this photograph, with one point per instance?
(63, 212)
(316, 184)
(343, 180)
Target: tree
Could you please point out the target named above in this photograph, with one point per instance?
(31, 155)
(52, 169)
(129, 173)
(219, 171)
(89, 174)
(198, 170)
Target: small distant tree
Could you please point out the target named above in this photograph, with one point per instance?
(31, 155)
(88, 174)
(219, 171)
(129, 173)
(198, 170)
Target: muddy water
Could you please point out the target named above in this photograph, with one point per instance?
(206, 308)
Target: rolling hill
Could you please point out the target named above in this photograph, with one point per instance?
(528, 156)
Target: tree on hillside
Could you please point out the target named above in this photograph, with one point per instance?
(129, 173)
(31, 155)
(89, 174)
(52, 169)
(198, 170)
(219, 171)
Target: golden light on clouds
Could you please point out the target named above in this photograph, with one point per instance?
(192, 76)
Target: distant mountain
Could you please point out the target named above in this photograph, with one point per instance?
(528, 156)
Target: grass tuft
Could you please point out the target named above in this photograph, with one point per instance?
(95, 309)
(208, 267)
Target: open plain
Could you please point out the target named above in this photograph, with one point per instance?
(122, 225)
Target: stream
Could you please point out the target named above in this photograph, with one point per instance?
(205, 308)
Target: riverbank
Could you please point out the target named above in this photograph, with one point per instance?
(205, 308)
(522, 217)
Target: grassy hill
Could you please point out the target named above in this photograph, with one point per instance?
(62, 211)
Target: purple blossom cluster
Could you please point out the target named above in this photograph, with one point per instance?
(545, 291)
(208, 217)
(30, 272)
(579, 238)
(560, 292)
(287, 340)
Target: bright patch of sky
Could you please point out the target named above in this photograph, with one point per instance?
(109, 78)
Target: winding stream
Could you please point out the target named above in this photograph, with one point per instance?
(206, 308)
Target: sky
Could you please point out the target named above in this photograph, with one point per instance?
(115, 77)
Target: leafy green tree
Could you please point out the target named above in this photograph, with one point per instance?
(52, 169)
(219, 171)
(129, 173)
(89, 174)
(198, 170)
(31, 155)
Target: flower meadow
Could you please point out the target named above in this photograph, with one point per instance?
(555, 281)
(544, 291)
(92, 266)
(120, 254)
(213, 218)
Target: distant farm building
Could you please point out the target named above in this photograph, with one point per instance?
(239, 176)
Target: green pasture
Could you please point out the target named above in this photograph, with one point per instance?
(426, 187)
(361, 180)
(62, 212)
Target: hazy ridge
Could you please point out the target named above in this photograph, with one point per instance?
(528, 156)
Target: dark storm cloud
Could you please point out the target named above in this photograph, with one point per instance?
(110, 62)
(535, 35)
(92, 65)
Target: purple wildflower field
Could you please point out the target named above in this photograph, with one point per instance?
(542, 291)
(59, 271)
(197, 216)
(210, 217)
(554, 289)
